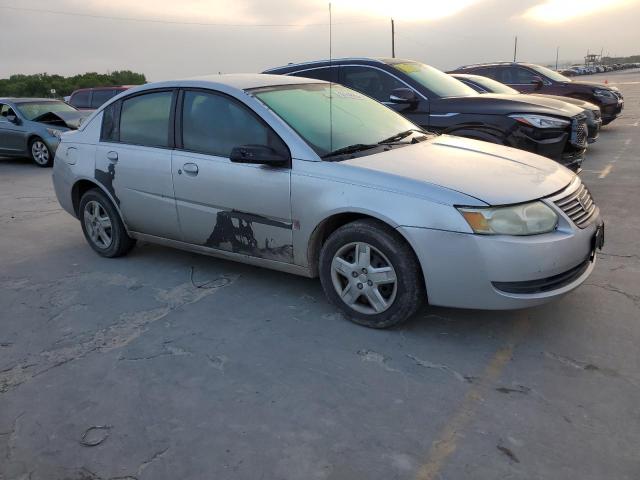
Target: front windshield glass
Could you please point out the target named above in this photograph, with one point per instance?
(493, 86)
(553, 75)
(440, 83)
(349, 118)
(33, 110)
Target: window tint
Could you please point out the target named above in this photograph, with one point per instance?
(109, 132)
(100, 97)
(440, 83)
(514, 75)
(80, 99)
(145, 119)
(329, 74)
(6, 111)
(487, 72)
(370, 81)
(215, 124)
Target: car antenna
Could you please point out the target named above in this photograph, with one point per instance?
(330, 84)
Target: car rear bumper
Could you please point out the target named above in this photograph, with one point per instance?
(502, 272)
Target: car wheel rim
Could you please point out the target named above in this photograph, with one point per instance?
(98, 224)
(364, 278)
(40, 152)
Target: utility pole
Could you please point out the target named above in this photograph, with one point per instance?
(393, 39)
(557, 51)
(515, 49)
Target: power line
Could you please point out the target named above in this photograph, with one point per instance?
(176, 22)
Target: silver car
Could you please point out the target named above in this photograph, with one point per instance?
(31, 127)
(316, 179)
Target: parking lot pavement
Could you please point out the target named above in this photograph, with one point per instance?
(169, 365)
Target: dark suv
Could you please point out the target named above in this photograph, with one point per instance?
(89, 99)
(440, 103)
(530, 78)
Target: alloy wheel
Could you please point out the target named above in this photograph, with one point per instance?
(364, 278)
(40, 152)
(98, 224)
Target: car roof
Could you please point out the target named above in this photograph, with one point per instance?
(107, 87)
(240, 81)
(27, 100)
(496, 64)
(340, 61)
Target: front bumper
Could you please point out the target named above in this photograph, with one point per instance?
(475, 271)
(611, 111)
(552, 143)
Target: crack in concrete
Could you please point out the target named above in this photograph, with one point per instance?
(610, 288)
(128, 327)
(157, 455)
(440, 366)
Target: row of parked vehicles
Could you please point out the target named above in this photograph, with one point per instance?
(591, 69)
(390, 180)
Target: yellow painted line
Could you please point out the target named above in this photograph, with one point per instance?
(447, 441)
(606, 171)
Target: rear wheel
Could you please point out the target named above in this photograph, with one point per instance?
(40, 153)
(102, 226)
(371, 274)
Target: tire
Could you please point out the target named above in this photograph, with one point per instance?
(368, 296)
(102, 226)
(40, 153)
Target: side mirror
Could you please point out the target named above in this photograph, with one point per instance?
(13, 119)
(537, 81)
(403, 95)
(258, 154)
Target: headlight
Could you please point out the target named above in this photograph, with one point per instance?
(524, 219)
(599, 92)
(540, 121)
(55, 133)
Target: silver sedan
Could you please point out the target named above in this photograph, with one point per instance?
(315, 179)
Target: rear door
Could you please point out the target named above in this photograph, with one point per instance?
(235, 207)
(133, 161)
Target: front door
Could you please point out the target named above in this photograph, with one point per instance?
(235, 207)
(133, 162)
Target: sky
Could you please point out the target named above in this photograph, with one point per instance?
(167, 39)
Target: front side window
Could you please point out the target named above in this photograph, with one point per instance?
(524, 76)
(493, 86)
(340, 116)
(214, 124)
(80, 99)
(145, 119)
(328, 74)
(6, 111)
(34, 110)
(553, 75)
(440, 83)
(370, 81)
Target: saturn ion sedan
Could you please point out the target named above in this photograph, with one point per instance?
(315, 179)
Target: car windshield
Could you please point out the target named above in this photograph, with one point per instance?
(332, 117)
(33, 110)
(553, 75)
(493, 86)
(440, 83)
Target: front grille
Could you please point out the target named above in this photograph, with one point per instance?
(579, 133)
(579, 206)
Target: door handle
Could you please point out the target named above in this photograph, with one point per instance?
(190, 169)
(112, 156)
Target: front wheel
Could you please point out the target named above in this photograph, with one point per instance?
(370, 273)
(40, 153)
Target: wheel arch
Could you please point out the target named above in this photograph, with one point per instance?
(83, 185)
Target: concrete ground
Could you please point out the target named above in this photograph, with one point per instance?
(124, 369)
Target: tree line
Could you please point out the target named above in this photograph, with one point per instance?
(41, 84)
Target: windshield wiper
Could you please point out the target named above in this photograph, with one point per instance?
(357, 147)
(399, 136)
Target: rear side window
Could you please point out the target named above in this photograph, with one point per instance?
(109, 132)
(100, 97)
(329, 74)
(214, 124)
(80, 99)
(145, 119)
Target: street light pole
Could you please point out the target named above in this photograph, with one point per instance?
(515, 49)
(557, 51)
(393, 39)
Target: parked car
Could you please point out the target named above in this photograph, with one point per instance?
(530, 78)
(316, 179)
(32, 127)
(88, 99)
(487, 85)
(440, 103)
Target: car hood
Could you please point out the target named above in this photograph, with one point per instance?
(573, 101)
(505, 104)
(493, 174)
(71, 120)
